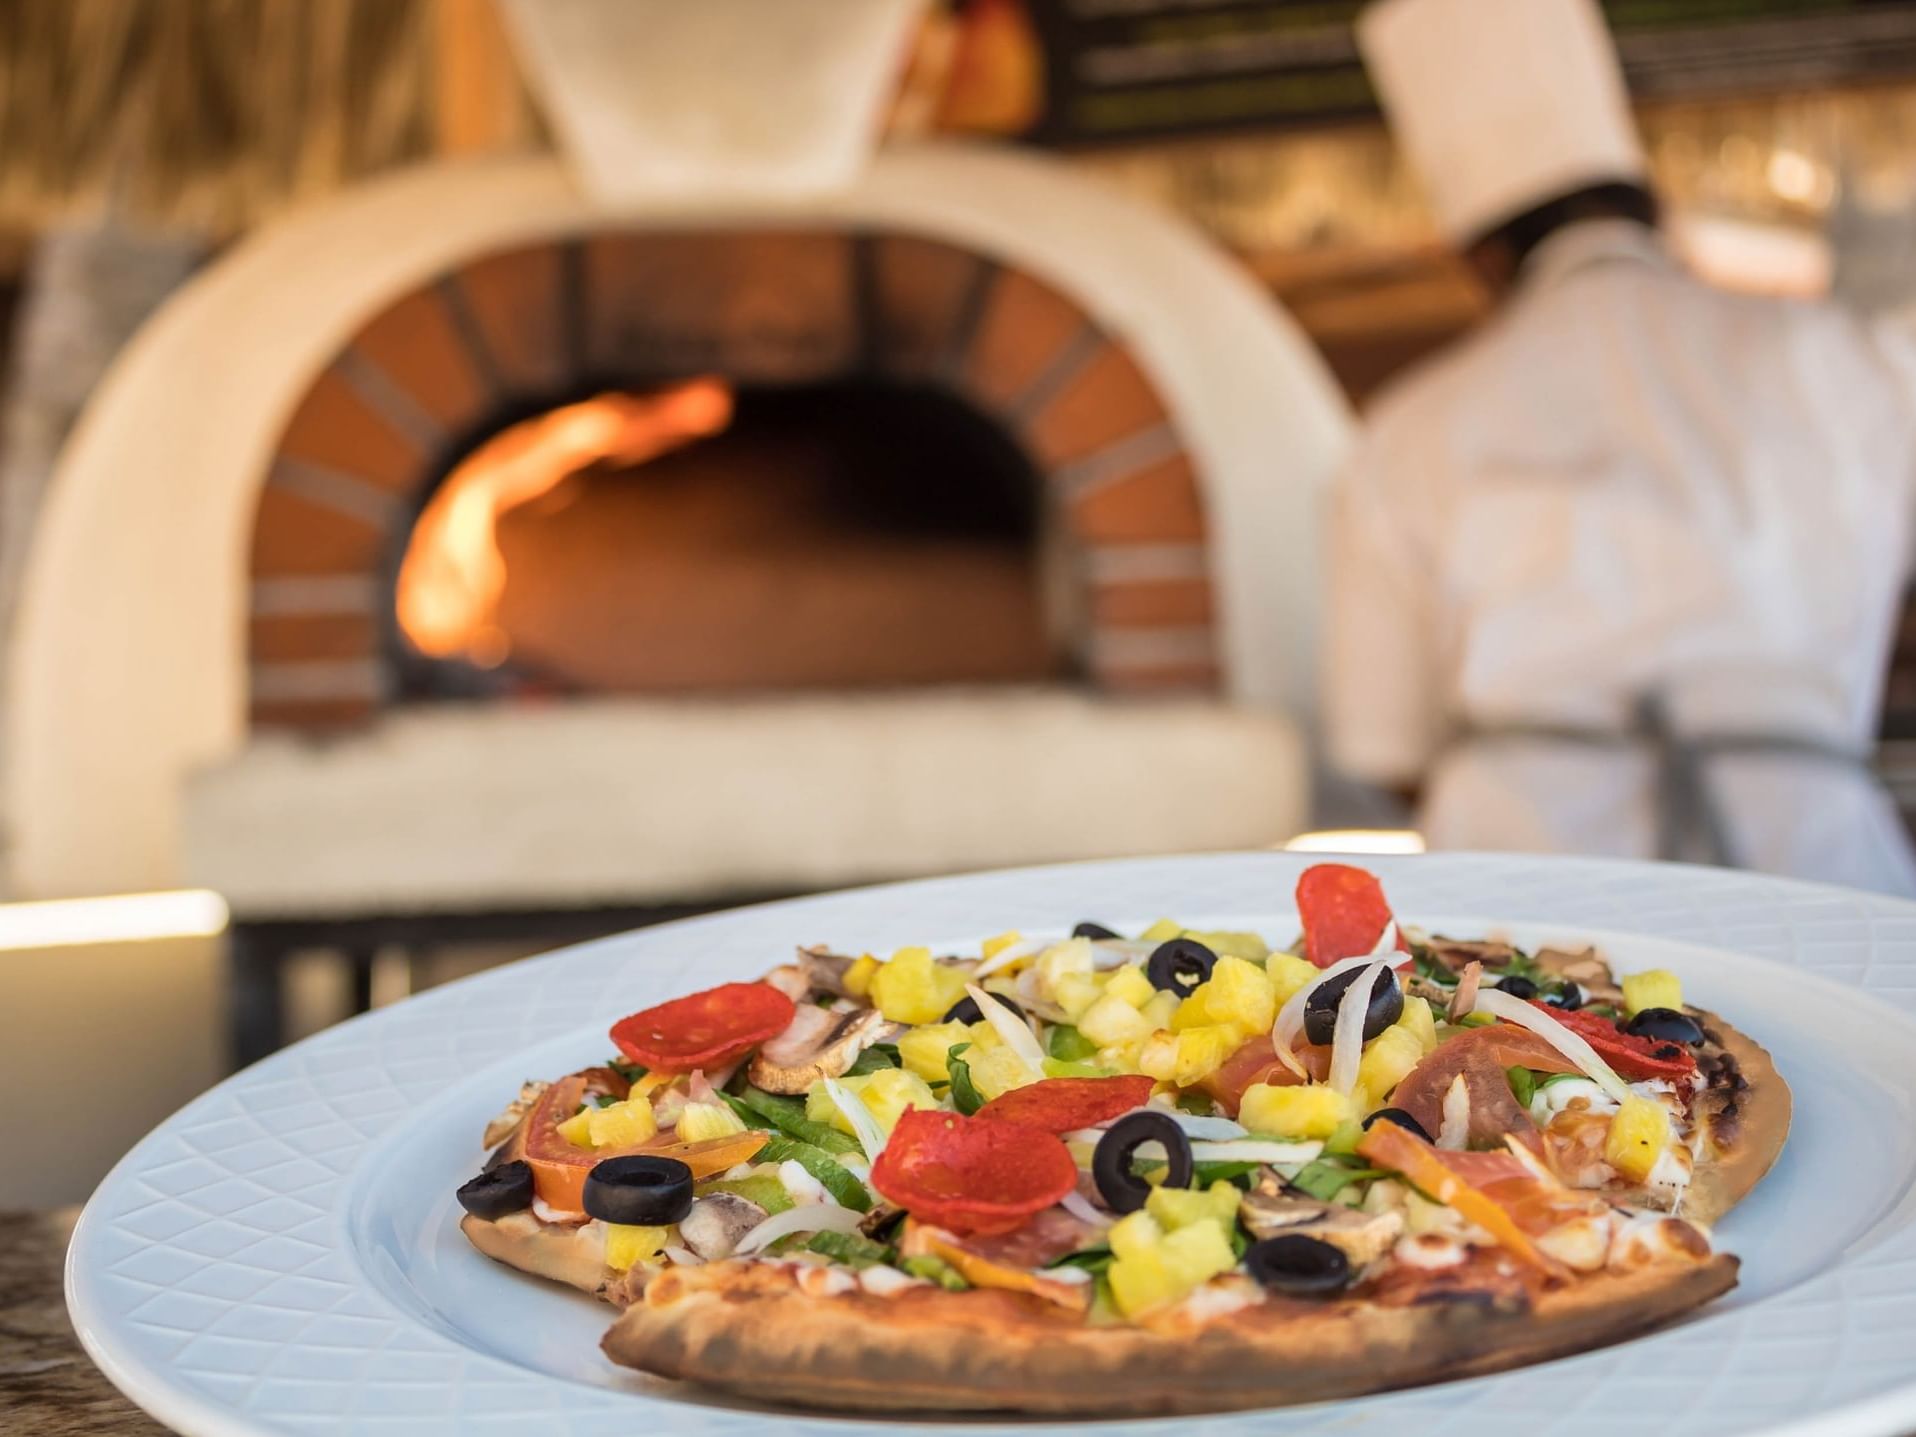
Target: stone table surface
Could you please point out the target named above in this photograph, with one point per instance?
(48, 1385)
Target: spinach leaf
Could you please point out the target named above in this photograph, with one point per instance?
(878, 1056)
(627, 1069)
(838, 1179)
(1067, 1044)
(1204, 1174)
(760, 1109)
(850, 1248)
(1092, 1259)
(1326, 1178)
(935, 1269)
(964, 1097)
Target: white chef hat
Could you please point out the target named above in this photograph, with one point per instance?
(1500, 104)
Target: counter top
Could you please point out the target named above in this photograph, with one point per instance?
(48, 1386)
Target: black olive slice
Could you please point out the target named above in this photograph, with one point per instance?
(1093, 931)
(1517, 986)
(1665, 1025)
(1398, 1116)
(1121, 1188)
(1320, 1009)
(1298, 1266)
(497, 1192)
(639, 1189)
(1178, 965)
(966, 1010)
(1569, 997)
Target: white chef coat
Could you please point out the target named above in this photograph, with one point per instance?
(1630, 482)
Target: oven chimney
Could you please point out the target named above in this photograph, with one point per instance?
(662, 100)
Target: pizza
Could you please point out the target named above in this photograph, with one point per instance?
(1177, 1172)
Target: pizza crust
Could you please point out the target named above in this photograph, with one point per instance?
(559, 1254)
(748, 1329)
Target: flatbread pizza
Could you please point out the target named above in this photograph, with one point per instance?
(1032, 1179)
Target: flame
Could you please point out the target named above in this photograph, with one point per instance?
(454, 573)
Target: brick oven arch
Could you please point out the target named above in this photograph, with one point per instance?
(511, 331)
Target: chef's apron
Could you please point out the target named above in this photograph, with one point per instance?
(1689, 821)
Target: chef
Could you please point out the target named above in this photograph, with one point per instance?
(1617, 573)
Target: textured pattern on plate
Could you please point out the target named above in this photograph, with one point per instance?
(212, 1277)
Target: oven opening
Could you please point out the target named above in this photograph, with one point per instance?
(701, 537)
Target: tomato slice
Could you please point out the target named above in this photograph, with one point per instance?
(1063, 1105)
(559, 1167)
(1344, 913)
(972, 1175)
(704, 1030)
(1637, 1059)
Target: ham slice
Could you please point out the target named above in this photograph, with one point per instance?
(1480, 1057)
(1257, 1062)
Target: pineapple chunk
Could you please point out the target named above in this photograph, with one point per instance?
(1390, 1056)
(1075, 993)
(1161, 931)
(1639, 1133)
(623, 1125)
(922, 1050)
(1242, 995)
(914, 989)
(699, 1121)
(1226, 944)
(994, 946)
(1134, 1235)
(577, 1129)
(1112, 1020)
(1288, 974)
(627, 1245)
(1417, 1019)
(1183, 1058)
(1158, 1270)
(1180, 1207)
(995, 1071)
(858, 977)
(1122, 1057)
(1194, 1011)
(1062, 959)
(1130, 984)
(1159, 1010)
(1653, 988)
(1306, 1110)
(887, 1093)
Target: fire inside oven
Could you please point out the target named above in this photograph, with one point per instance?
(701, 537)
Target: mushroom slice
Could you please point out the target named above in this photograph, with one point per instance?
(819, 1043)
(1454, 953)
(825, 970)
(717, 1223)
(507, 1123)
(791, 980)
(1363, 1237)
(1586, 969)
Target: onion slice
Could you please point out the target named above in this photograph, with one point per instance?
(1454, 1133)
(1290, 1018)
(1008, 955)
(871, 1137)
(1516, 1010)
(1010, 1027)
(1256, 1150)
(684, 1257)
(1084, 1210)
(807, 1217)
(1347, 1039)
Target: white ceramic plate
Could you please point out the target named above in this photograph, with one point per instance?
(280, 1256)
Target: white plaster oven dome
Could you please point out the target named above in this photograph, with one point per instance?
(127, 673)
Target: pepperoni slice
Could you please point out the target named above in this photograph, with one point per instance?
(1637, 1059)
(704, 1030)
(972, 1175)
(1344, 912)
(1063, 1105)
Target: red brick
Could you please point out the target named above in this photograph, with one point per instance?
(920, 291)
(1153, 604)
(292, 535)
(1107, 400)
(1159, 504)
(308, 714)
(417, 345)
(1202, 678)
(768, 306)
(284, 638)
(516, 302)
(1025, 327)
(335, 428)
